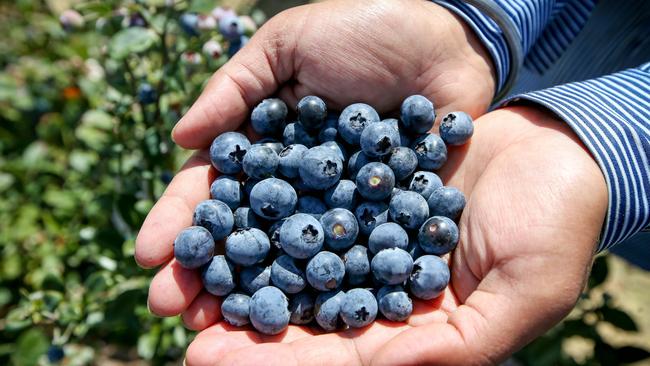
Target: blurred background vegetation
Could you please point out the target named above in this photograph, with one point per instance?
(87, 101)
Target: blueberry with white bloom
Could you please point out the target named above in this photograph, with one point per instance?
(231, 27)
(268, 116)
(235, 309)
(394, 303)
(456, 128)
(260, 162)
(290, 158)
(254, 278)
(273, 199)
(409, 209)
(353, 120)
(269, 310)
(245, 218)
(337, 148)
(429, 278)
(446, 201)
(375, 181)
(418, 114)
(320, 168)
(327, 308)
(227, 152)
(193, 247)
(388, 235)
(286, 275)
(342, 195)
(359, 308)
(218, 276)
(378, 139)
(325, 271)
(438, 235)
(371, 214)
(431, 151)
(340, 228)
(301, 236)
(215, 216)
(357, 161)
(403, 161)
(228, 190)
(247, 246)
(392, 266)
(295, 133)
(312, 112)
(425, 183)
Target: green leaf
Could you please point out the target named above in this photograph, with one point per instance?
(130, 41)
(202, 6)
(6, 180)
(29, 347)
(147, 343)
(619, 319)
(5, 296)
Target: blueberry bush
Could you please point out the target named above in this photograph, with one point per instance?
(89, 92)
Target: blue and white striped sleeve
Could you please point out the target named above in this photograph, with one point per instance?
(611, 115)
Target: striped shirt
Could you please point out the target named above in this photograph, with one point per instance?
(576, 58)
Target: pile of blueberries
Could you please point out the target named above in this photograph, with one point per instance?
(309, 232)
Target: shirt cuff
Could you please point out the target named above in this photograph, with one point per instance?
(611, 115)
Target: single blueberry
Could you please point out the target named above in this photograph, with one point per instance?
(55, 354)
(354, 119)
(446, 201)
(235, 309)
(268, 117)
(193, 247)
(146, 94)
(227, 152)
(247, 246)
(388, 235)
(340, 228)
(189, 23)
(357, 262)
(394, 303)
(312, 206)
(403, 161)
(236, 45)
(409, 209)
(370, 215)
(295, 133)
(245, 218)
(301, 236)
(438, 235)
(325, 271)
(329, 131)
(260, 162)
(357, 161)
(286, 275)
(418, 114)
(274, 233)
(327, 308)
(375, 181)
(215, 216)
(228, 190)
(342, 195)
(301, 307)
(231, 27)
(359, 308)
(456, 128)
(320, 168)
(379, 139)
(312, 112)
(271, 143)
(337, 148)
(269, 310)
(404, 138)
(431, 151)
(273, 199)
(425, 183)
(392, 266)
(290, 158)
(218, 276)
(254, 278)
(429, 278)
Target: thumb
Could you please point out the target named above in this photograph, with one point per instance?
(252, 74)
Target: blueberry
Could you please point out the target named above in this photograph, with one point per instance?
(215, 216)
(404, 138)
(340, 228)
(236, 45)
(375, 181)
(218, 276)
(245, 218)
(269, 310)
(146, 94)
(414, 249)
(392, 266)
(260, 162)
(301, 236)
(301, 307)
(378, 139)
(254, 278)
(357, 262)
(403, 161)
(55, 354)
(456, 128)
(268, 117)
(342, 195)
(189, 23)
(325, 271)
(247, 246)
(235, 309)
(446, 201)
(429, 278)
(337, 148)
(312, 112)
(193, 247)
(227, 152)
(271, 143)
(394, 303)
(370, 215)
(312, 206)
(418, 114)
(353, 120)
(295, 133)
(228, 190)
(431, 151)
(286, 275)
(327, 308)
(357, 161)
(425, 183)
(388, 235)
(359, 308)
(274, 233)
(320, 168)
(329, 130)
(231, 27)
(290, 158)
(273, 199)
(438, 235)
(409, 209)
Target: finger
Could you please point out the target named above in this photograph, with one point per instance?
(211, 345)
(173, 211)
(173, 289)
(254, 73)
(203, 312)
